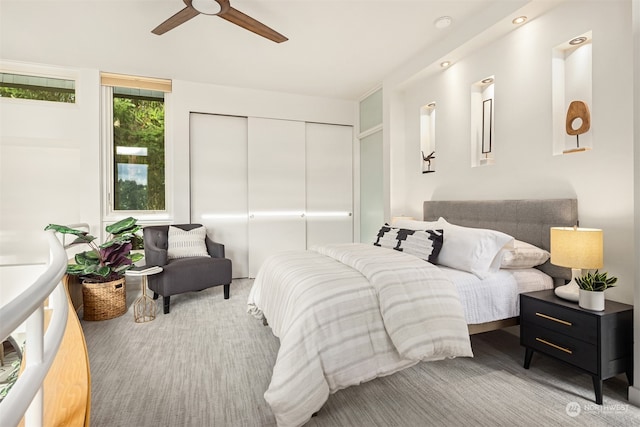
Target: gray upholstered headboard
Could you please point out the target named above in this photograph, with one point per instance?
(526, 220)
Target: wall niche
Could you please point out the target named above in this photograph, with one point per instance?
(571, 64)
(428, 137)
(482, 122)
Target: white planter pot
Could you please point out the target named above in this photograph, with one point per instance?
(590, 300)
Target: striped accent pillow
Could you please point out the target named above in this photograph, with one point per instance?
(185, 244)
(425, 244)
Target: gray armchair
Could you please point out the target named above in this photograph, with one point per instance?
(183, 274)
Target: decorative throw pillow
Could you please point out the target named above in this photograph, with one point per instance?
(523, 255)
(425, 244)
(413, 224)
(185, 244)
(475, 250)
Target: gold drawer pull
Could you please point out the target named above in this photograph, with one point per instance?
(564, 322)
(566, 350)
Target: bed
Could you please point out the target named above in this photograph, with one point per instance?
(348, 313)
(528, 220)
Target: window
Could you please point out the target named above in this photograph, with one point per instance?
(37, 88)
(134, 131)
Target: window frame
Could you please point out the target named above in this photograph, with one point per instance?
(25, 69)
(110, 214)
(42, 87)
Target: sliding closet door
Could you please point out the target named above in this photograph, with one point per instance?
(218, 156)
(329, 179)
(276, 188)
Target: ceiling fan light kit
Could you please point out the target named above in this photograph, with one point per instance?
(223, 9)
(206, 7)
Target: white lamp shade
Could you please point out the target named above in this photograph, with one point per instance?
(577, 247)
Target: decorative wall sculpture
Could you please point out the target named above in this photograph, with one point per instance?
(427, 161)
(427, 137)
(578, 122)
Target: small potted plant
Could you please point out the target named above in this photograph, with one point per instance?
(102, 267)
(592, 287)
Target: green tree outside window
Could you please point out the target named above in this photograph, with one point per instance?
(138, 143)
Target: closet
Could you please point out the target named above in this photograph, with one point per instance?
(263, 185)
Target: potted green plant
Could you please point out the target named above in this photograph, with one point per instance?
(592, 287)
(102, 267)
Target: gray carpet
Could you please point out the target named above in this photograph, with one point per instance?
(208, 363)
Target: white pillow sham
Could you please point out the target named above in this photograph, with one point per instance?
(523, 255)
(412, 224)
(185, 244)
(475, 250)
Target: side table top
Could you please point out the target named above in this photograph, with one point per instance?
(143, 271)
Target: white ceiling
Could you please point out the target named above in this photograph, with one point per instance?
(336, 48)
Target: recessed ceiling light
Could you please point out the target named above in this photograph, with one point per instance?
(519, 20)
(577, 40)
(443, 22)
(445, 64)
(488, 80)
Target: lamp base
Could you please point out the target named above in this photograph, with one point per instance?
(570, 291)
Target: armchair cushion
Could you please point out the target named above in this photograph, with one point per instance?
(186, 243)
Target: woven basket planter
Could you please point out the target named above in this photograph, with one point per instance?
(102, 301)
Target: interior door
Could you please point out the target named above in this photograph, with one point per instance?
(218, 160)
(371, 187)
(276, 188)
(329, 183)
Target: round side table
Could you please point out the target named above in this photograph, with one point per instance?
(144, 308)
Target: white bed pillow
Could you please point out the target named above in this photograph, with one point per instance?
(475, 250)
(523, 255)
(412, 224)
(185, 244)
(425, 244)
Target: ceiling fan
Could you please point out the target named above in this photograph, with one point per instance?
(223, 9)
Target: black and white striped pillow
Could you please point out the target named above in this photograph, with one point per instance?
(425, 244)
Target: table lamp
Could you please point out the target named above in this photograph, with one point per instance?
(578, 249)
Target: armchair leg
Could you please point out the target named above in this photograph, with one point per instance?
(165, 300)
(155, 295)
(226, 291)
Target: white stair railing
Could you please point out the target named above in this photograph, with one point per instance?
(26, 396)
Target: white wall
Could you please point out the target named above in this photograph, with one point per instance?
(49, 172)
(601, 179)
(50, 157)
(43, 147)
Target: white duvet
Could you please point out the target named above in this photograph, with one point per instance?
(349, 313)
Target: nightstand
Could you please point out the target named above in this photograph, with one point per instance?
(597, 342)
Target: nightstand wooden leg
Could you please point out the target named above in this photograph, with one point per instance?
(528, 354)
(597, 387)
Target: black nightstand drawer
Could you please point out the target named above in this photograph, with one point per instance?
(561, 346)
(560, 319)
(597, 342)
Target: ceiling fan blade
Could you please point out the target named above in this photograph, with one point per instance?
(179, 18)
(248, 23)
